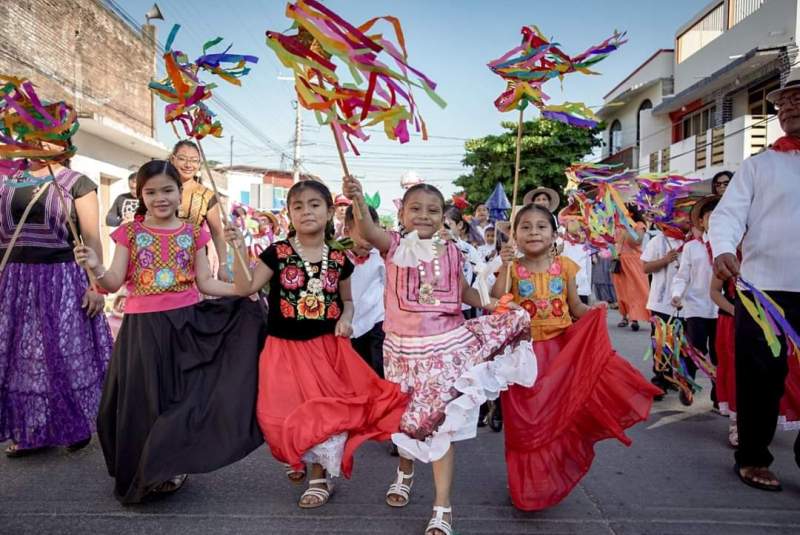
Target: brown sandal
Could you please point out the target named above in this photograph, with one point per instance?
(754, 473)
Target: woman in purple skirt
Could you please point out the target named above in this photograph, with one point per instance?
(55, 342)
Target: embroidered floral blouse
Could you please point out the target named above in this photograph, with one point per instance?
(160, 265)
(544, 296)
(295, 313)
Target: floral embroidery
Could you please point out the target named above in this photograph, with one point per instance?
(337, 256)
(292, 277)
(146, 278)
(284, 250)
(145, 258)
(161, 263)
(526, 288)
(333, 312)
(331, 282)
(522, 273)
(556, 285)
(287, 310)
(555, 269)
(529, 306)
(184, 241)
(165, 278)
(182, 258)
(310, 307)
(143, 239)
(558, 309)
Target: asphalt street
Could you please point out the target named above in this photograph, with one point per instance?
(676, 478)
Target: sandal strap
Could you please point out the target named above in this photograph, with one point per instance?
(316, 492)
(438, 521)
(398, 488)
(318, 481)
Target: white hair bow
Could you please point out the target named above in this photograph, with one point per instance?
(482, 273)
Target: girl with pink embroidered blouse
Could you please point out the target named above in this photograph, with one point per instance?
(182, 369)
(448, 365)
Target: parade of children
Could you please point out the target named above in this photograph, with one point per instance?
(234, 305)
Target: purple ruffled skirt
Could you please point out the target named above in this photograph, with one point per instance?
(53, 357)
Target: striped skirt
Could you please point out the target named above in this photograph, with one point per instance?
(450, 375)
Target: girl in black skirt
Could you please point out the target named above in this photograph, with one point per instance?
(180, 392)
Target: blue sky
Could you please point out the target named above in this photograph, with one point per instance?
(451, 41)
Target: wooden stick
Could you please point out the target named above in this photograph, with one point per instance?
(515, 192)
(75, 236)
(356, 207)
(224, 213)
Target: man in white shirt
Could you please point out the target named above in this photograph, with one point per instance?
(661, 258)
(367, 284)
(691, 292)
(761, 209)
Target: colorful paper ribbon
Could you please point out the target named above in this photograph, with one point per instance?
(769, 316)
(32, 131)
(526, 68)
(184, 92)
(387, 100)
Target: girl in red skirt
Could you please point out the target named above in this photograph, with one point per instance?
(318, 400)
(585, 392)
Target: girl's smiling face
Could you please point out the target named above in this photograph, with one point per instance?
(534, 233)
(422, 211)
(161, 196)
(187, 160)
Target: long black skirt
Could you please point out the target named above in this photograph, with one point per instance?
(180, 394)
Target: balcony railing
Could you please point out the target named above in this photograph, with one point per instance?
(723, 147)
(626, 156)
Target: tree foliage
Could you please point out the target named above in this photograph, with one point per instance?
(548, 147)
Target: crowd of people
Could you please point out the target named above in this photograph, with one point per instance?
(417, 334)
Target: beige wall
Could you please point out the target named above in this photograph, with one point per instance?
(627, 117)
(659, 67)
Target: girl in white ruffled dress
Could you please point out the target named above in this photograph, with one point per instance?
(449, 365)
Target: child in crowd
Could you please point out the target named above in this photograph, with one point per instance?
(318, 401)
(660, 259)
(585, 391)
(448, 365)
(691, 289)
(367, 285)
(180, 392)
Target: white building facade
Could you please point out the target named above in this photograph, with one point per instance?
(711, 113)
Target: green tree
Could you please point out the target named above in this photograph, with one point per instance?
(548, 147)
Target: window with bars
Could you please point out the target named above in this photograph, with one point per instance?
(738, 10)
(701, 33)
(697, 123)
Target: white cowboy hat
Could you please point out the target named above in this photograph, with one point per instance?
(552, 194)
(792, 82)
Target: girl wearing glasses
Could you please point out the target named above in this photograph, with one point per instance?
(198, 203)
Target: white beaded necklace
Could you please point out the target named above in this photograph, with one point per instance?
(314, 285)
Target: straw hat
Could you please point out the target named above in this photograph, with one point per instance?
(552, 194)
(792, 82)
(695, 214)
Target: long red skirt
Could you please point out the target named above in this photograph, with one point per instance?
(312, 390)
(585, 392)
(789, 419)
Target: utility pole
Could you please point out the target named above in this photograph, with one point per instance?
(231, 164)
(298, 126)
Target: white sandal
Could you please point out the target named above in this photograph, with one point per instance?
(438, 521)
(322, 494)
(295, 476)
(398, 488)
(733, 436)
